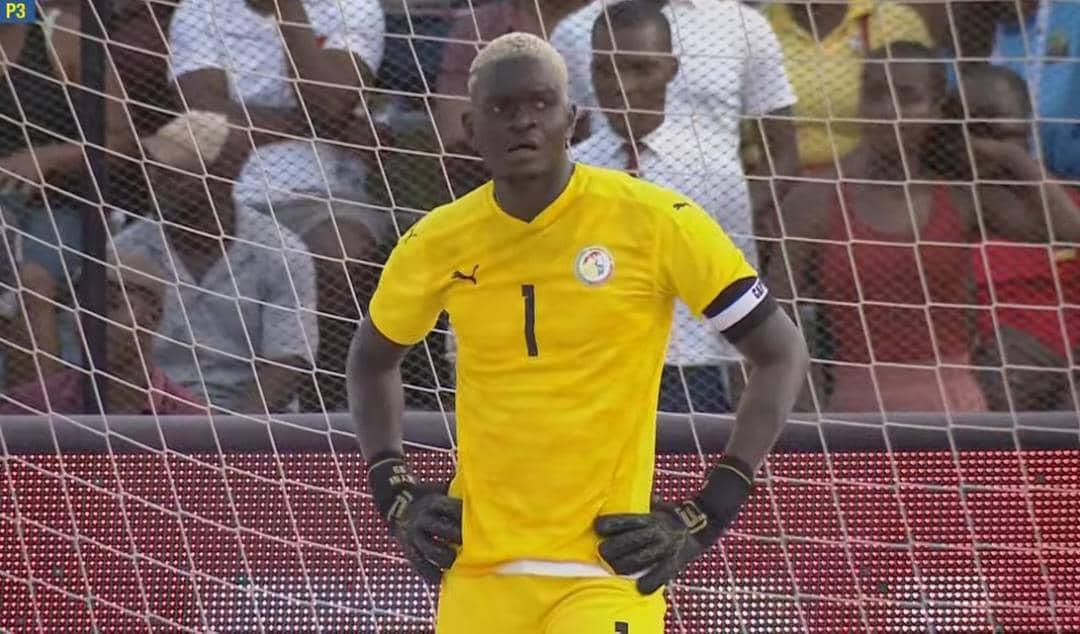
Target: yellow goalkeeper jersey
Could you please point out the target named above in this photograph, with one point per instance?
(561, 327)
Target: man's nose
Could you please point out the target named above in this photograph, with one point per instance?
(522, 118)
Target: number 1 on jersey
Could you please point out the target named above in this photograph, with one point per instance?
(529, 293)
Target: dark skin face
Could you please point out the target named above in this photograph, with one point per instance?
(907, 85)
(183, 200)
(631, 86)
(520, 124)
(996, 110)
(121, 335)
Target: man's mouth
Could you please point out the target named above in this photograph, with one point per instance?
(524, 146)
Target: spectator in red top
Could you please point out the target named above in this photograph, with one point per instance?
(888, 268)
(135, 298)
(1029, 282)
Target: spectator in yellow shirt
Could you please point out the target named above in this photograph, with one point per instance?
(824, 45)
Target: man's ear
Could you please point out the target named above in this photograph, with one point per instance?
(571, 123)
(673, 67)
(467, 125)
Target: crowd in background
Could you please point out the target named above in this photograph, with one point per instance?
(905, 176)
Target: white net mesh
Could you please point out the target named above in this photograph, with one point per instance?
(915, 211)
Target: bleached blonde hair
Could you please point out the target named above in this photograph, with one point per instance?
(519, 46)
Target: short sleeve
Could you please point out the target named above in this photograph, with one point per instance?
(363, 32)
(290, 327)
(407, 301)
(190, 38)
(898, 23)
(698, 263)
(766, 85)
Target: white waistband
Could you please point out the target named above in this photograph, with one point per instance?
(542, 568)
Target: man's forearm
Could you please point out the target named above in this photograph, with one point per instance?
(268, 124)
(324, 82)
(377, 404)
(766, 403)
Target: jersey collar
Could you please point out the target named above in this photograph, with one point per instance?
(550, 213)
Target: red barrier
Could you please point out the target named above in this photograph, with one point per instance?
(921, 541)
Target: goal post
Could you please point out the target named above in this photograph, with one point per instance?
(866, 518)
(676, 433)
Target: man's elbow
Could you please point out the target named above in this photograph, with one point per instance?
(800, 353)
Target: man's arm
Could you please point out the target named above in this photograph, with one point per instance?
(780, 159)
(425, 522)
(769, 183)
(376, 395)
(330, 79)
(663, 542)
(778, 360)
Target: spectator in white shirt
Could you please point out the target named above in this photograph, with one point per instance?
(731, 67)
(639, 134)
(292, 72)
(239, 328)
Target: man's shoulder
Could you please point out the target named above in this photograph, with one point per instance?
(467, 207)
(573, 31)
(630, 195)
(141, 233)
(259, 228)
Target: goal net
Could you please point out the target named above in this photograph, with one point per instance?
(197, 199)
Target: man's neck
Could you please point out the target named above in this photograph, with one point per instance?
(644, 124)
(198, 251)
(525, 198)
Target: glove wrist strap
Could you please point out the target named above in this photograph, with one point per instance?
(388, 476)
(729, 474)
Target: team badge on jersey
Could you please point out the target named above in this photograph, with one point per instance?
(594, 265)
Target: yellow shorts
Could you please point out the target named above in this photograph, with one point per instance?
(526, 604)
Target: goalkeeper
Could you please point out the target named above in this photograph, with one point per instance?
(559, 279)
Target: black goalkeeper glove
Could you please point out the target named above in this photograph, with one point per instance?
(663, 542)
(422, 518)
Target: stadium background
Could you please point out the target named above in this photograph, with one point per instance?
(259, 521)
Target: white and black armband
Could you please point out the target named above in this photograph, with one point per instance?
(740, 307)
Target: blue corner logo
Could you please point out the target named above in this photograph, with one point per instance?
(16, 12)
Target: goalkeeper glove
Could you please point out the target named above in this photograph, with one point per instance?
(422, 518)
(659, 544)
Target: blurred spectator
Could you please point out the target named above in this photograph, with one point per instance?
(45, 185)
(138, 50)
(289, 69)
(1030, 318)
(294, 70)
(730, 67)
(239, 326)
(824, 44)
(882, 251)
(640, 136)
(470, 31)
(1042, 44)
(135, 295)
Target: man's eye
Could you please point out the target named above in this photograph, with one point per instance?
(541, 104)
(496, 108)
